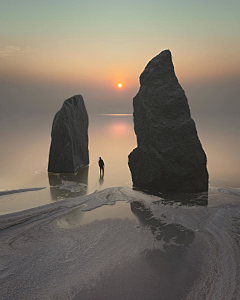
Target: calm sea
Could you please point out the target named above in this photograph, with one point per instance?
(24, 160)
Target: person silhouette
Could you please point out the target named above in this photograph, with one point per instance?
(101, 166)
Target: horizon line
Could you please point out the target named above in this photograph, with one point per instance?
(115, 115)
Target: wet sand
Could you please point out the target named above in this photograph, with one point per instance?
(123, 244)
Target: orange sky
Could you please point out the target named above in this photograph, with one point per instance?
(55, 50)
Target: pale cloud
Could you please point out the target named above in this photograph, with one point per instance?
(10, 51)
(29, 49)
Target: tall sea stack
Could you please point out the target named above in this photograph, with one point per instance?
(169, 156)
(69, 146)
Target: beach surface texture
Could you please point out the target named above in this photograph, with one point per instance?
(142, 247)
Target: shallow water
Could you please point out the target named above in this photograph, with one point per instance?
(78, 217)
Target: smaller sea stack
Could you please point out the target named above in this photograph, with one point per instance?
(69, 145)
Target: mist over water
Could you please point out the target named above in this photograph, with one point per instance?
(24, 157)
(26, 142)
(24, 161)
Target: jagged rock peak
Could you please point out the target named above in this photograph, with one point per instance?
(160, 66)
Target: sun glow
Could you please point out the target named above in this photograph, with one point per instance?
(119, 128)
(120, 85)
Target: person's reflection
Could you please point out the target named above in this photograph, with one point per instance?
(68, 185)
(101, 179)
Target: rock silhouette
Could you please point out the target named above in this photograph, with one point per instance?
(169, 156)
(69, 146)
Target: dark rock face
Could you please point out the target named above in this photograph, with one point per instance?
(169, 156)
(69, 146)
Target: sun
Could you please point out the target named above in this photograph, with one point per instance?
(120, 85)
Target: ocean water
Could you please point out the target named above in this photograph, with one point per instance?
(24, 160)
(24, 163)
(86, 237)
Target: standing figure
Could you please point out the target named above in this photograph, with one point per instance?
(101, 166)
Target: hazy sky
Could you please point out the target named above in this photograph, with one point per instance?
(50, 50)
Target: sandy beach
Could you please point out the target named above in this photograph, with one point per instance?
(123, 244)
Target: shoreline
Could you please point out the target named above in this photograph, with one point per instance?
(31, 198)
